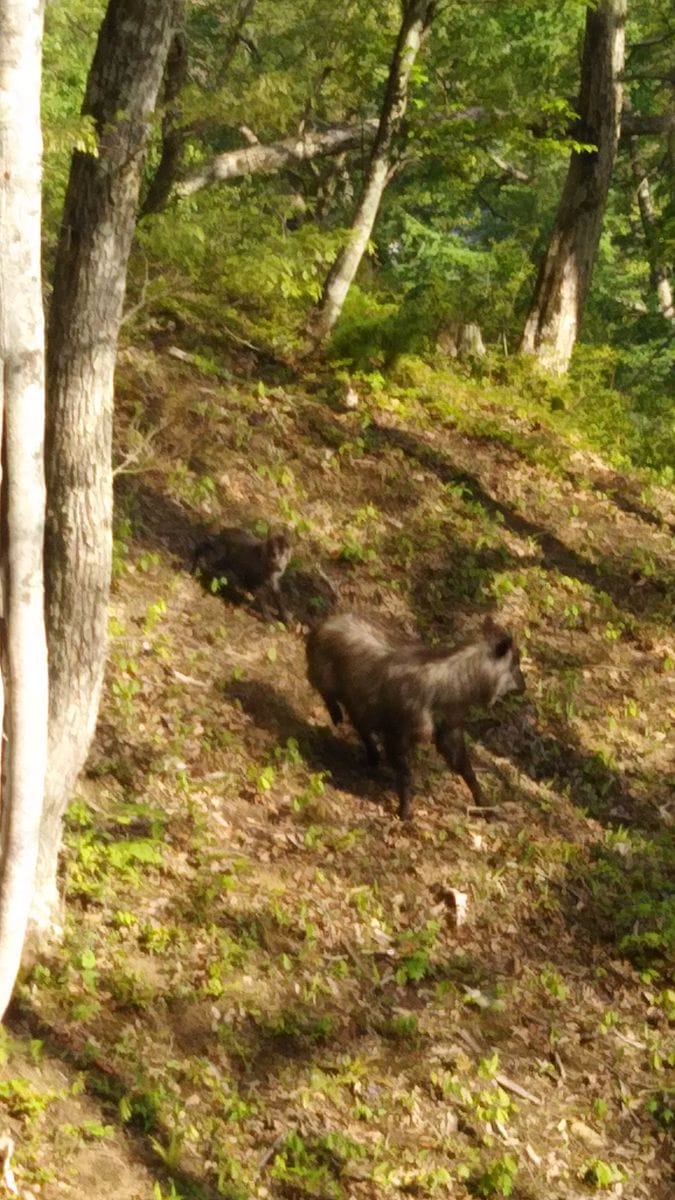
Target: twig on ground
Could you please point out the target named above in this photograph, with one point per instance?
(470, 1041)
(271, 1150)
(510, 1085)
(189, 679)
(559, 1065)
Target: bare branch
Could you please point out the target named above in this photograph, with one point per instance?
(265, 160)
(237, 38)
(510, 168)
(510, 1085)
(249, 136)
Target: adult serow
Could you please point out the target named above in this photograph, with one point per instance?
(246, 561)
(405, 692)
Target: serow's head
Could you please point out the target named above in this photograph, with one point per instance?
(504, 659)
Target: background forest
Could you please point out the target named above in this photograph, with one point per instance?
(363, 301)
(464, 220)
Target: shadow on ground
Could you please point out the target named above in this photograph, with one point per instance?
(144, 1135)
(162, 523)
(648, 599)
(322, 750)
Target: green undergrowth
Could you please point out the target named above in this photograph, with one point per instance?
(614, 400)
(546, 420)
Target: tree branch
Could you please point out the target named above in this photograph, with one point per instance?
(509, 169)
(259, 159)
(657, 39)
(264, 160)
(633, 125)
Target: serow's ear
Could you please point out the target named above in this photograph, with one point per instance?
(488, 624)
(503, 646)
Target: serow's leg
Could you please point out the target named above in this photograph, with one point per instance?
(372, 752)
(281, 606)
(398, 758)
(451, 744)
(334, 710)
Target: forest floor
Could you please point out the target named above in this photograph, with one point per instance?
(269, 986)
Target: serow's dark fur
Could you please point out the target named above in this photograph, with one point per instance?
(246, 561)
(405, 692)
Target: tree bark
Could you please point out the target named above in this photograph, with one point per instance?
(266, 159)
(86, 309)
(173, 136)
(564, 277)
(22, 629)
(417, 17)
(657, 268)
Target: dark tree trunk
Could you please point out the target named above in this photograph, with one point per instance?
(564, 278)
(417, 17)
(86, 308)
(174, 134)
(173, 137)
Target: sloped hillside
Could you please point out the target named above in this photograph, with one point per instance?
(270, 987)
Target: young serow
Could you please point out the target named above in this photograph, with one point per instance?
(406, 692)
(246, 561)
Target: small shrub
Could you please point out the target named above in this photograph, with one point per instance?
(498, 1180)
(599, 1174)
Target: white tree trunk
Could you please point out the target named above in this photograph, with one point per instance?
(24, 650)
(417, 16)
